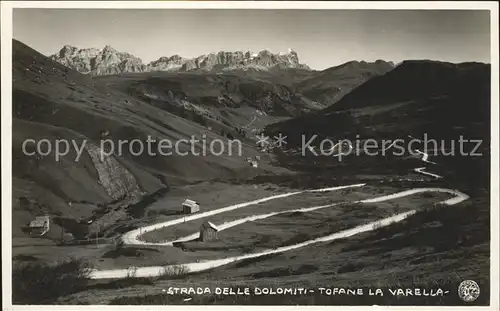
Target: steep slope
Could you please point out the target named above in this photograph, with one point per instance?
(225, 102)
(436, 97)
(329, 85)
(441, 101)
(416, 80)
(52, 102)
(246, 98)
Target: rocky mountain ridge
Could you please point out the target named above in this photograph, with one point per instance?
(98, 62)
(109, 61)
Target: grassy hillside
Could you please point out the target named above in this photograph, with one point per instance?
(441, 100)
(245, 100)
(330, 85)
(53, 102)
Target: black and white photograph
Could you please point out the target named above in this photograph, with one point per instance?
(249, 153)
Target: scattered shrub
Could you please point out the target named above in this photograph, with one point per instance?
(350, 267)
(174, 271)
(132, 272)
(22, 257)
(122, 283)
(377, 225)
(41, 283)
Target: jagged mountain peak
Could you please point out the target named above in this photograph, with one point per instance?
(109, 49)
(111, 61)
(69, 47)
(98, 62)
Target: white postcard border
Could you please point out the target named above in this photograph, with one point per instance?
(6, 125)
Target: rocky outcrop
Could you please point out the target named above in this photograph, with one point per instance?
(113, 177)
(109, 61)
(98, 62)
(232, 60)
(167, 63)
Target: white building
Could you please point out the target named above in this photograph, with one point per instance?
(190, 207)
(40, 225)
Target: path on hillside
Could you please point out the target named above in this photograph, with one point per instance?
(210, 264)
(132, 237)
(251, 122)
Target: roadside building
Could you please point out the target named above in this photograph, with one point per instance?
(253, 162)
(208, 232)
(40, 225)
(190, 207)
(104, 133)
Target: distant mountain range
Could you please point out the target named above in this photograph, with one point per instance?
(109, 61)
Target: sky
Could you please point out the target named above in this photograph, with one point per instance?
(322, 38)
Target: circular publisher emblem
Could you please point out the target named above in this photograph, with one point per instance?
(468, 290)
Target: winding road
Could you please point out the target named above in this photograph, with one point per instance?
(132, 237)
(421, 171)
(425, 158)
(251, 122)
